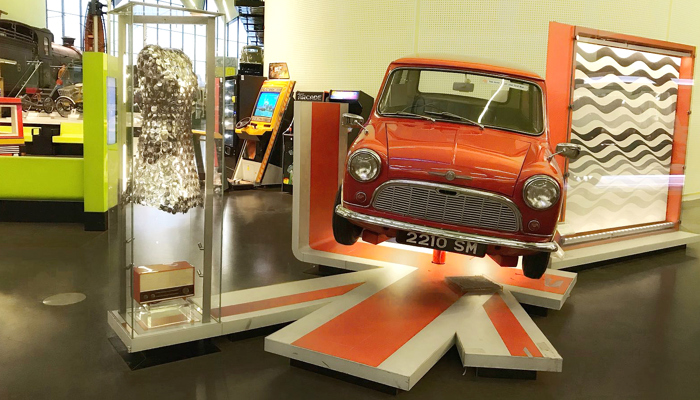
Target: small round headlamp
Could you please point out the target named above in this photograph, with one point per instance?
(364, 165)
(541, 192)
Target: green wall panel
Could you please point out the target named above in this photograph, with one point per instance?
(41, 178)
(101, 160)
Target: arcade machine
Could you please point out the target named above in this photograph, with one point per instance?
(288, 142)
(240, 93)
(359, 103)
(260, 162)
(288, 159)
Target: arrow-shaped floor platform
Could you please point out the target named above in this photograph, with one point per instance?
(393, 328)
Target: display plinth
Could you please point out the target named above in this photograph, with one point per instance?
(173, 312)
(394, 328)
(593, 253)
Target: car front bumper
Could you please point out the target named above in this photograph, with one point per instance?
(547, 247)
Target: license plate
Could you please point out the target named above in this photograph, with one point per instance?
(441, 243)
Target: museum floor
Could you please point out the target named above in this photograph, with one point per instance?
(629, 331)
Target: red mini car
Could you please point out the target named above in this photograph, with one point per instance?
(455, 157)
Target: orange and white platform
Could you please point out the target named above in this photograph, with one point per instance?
(393, 328)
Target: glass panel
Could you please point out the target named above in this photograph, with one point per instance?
(55, 25)
(201, 49)
(624, 118)
(166, 173)
(70, 6)
(73, 27)
(176, 40)
(163, 36)
(53, 5)
(151, 34)
(138, 38)
(188, 45)
(200, 70)
(458, 97)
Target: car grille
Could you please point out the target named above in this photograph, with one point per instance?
(447, 205)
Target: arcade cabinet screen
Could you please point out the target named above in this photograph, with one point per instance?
(344, 95)
(266, 104)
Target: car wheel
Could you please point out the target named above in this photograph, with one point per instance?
(343, 230)
(535, 265)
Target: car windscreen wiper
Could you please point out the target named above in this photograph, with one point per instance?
(455, 116)
(408, 114)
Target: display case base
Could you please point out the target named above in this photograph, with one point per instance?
(163, 355)
(594, 253)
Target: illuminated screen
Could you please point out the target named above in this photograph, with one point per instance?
(111, 110)
(266, 104)
(344, 95)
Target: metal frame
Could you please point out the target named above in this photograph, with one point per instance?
(125, 234)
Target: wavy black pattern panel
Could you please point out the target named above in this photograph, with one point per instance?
(624, 109)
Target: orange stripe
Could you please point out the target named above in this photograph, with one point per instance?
(512, 333)
(374, 329)
(282, 301)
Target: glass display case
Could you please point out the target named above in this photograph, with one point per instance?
(168, 238)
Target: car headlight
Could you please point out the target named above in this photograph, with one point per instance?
(541, 192)
(364, 165)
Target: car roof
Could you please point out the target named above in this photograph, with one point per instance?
(465, 62)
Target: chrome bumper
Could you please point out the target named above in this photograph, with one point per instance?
(547, 247)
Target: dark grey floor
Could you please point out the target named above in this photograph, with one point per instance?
(631, 329)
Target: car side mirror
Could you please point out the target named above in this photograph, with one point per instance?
(568, 150)
(352, 120)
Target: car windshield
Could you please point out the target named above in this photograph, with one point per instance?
(464, 97)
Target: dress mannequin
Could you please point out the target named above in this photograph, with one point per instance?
(165, 172)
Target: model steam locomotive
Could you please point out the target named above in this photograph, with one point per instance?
(40, 62)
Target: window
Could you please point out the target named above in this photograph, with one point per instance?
(67, 18)
(464, 97)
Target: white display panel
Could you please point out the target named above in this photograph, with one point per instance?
(624, 111)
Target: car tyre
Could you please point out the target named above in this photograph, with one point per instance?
(344, 231)
(535, 265)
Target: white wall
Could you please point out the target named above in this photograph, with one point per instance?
(30, 12)
(347, 44)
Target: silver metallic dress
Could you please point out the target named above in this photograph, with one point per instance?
(165, 172)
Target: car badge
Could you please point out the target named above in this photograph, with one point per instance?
(451, 175)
